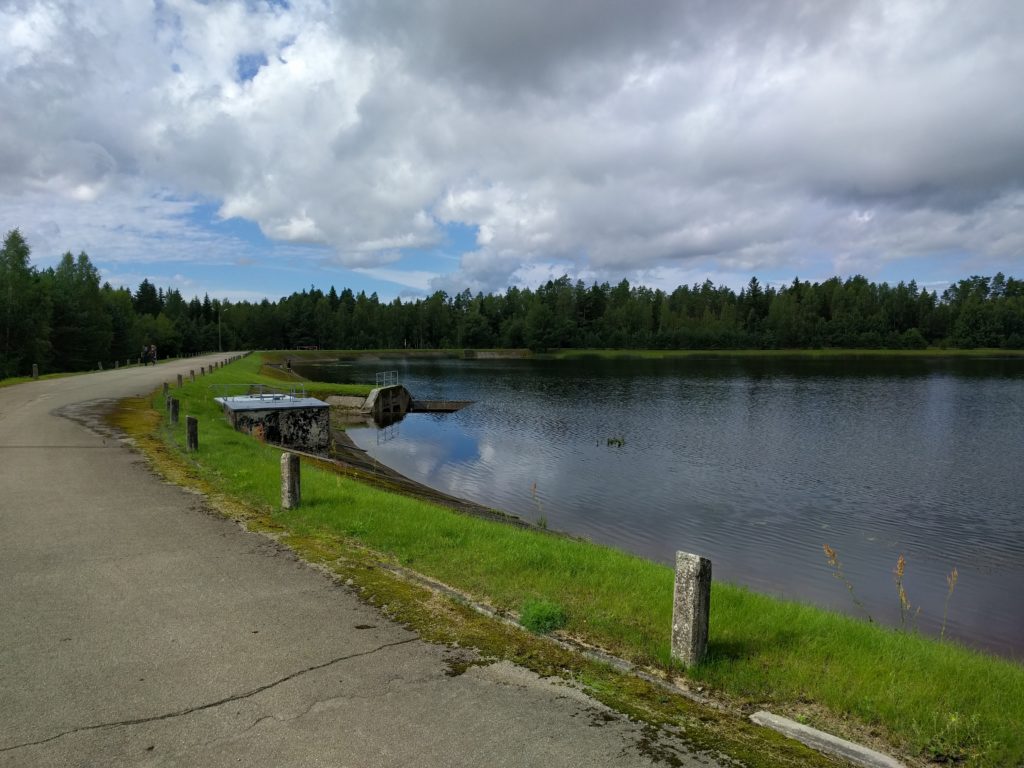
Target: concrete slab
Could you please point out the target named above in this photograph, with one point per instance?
(825, 742)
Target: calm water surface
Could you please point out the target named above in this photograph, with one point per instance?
(755, 463)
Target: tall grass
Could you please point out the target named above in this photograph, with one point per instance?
(934, 699)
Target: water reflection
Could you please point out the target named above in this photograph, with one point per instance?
(755, 463)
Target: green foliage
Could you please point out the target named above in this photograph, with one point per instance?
(63, 319)
(81, 328)
(542, 616)
(24, 310)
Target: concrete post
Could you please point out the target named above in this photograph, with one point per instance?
(167, 403)
(179, 381)
(192, 375)
(291, 483)
(691, 603)
(100, 365)
(35, 372)
(191, 434)
(165, 389)
(174, 410)
(117, 364)
(202, 370)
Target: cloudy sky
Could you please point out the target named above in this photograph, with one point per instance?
(256, 147)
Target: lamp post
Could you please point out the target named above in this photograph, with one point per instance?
(220, 311)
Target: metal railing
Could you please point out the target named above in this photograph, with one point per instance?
(260, 391)
(387, 378)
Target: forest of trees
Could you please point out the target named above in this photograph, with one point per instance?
(64, 319)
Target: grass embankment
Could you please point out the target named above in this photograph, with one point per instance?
(931, 700)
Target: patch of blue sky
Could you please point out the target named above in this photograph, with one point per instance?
(413, 274)
(461, 238)
(248, 65)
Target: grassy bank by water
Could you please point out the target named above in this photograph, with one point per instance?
(930, 700)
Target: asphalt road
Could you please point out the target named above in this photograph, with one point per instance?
(136, 628)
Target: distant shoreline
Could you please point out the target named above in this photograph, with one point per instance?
(308, 356)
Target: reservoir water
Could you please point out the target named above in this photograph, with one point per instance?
(755, 463)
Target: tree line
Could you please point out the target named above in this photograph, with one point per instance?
(63, 318)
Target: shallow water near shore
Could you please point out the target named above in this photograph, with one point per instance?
(755, 463)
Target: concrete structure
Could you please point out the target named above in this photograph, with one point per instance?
(288, 420)
(825, 742)
(691, 605)
(387, 404)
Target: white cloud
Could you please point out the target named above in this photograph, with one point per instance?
(730, 138)
(418, 280)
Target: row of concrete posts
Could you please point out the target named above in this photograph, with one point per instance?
(173, 405)
(128, 362)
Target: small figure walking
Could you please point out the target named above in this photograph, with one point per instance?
(152, 353)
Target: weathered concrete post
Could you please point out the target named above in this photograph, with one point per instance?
(117, 364)
(291, 482)
(691, 603)
(192, 375)
(202, 370)
(165, 389)
(35, 372)
(175, 404)
(179, 381)
(191, 434)
(100, 365)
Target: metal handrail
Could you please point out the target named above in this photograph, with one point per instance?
(261, 391)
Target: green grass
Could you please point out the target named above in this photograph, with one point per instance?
(542, 616)
(929, 699)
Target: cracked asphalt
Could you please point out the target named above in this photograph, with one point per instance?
(136, 628)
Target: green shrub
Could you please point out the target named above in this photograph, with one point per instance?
(542, 616)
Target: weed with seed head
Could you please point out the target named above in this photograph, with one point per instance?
(951, 579)
(542, 520)
(837, 571)
(906, 609)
